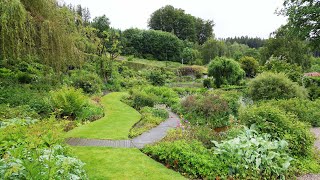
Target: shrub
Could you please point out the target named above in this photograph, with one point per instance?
(24, 78)
(274, 86)
(152, 44)
(305, 110)
(207, 83)
(141, 99)
(23, 95)
(272, 120)
(225, 71)
(187, 157)
(208, 109)
(5, 73)
(313, 86)
(89, 82)
(196, 71)
(72, 103)
(157, 77)
(68, 101)
(232, 97)
(276, 65)
(249, 65)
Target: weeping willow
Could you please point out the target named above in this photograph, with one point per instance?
(38, 28)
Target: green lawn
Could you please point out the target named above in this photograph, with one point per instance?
(118, 120)
(120, 163)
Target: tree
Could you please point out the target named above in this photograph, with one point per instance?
(189, 55)
(211, 49)
(204, 30)
(152, 44)
(276, 65)
(225, 71)
(184, 26)
(250, 66)
(40, 29)
(109, 46)
(290, 50)
(303, 19)
(101, 23)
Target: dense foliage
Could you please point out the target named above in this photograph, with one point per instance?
(247, 156)
(305, 110)
(152, 44)
(303, 19)
(38, 28)
(268, 86)
(35, 150)
(272, 120)
(250, 66)
(210, 109)
(184, 26)
(225, 71)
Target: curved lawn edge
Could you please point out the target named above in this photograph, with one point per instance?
(120, 163)
(116, 124)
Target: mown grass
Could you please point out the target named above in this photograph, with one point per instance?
(116, 124)
(120, 163)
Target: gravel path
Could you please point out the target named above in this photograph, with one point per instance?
(149, 137)
(316, 131)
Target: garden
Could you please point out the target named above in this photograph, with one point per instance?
(82, 100)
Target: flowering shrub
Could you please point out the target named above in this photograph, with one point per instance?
(208, 109)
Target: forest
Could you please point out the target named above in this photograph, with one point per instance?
(80, 99)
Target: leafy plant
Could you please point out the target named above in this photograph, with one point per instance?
(253, 156)
(274, 86)
(225, 71)
(279, 124)
(89, 82)
(72, 103)
(305, 110)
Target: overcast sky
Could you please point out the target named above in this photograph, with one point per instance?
(231, 17)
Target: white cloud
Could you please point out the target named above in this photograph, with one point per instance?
(232, 17)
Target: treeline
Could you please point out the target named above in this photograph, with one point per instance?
(63, 36)
(249, 41)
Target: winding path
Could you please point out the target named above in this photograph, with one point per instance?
(149, 137)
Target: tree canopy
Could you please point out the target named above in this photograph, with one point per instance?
(38, 28)
(303, 19)
(184, 26)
